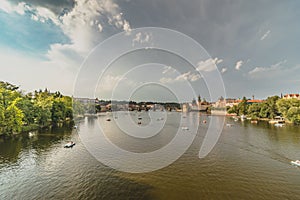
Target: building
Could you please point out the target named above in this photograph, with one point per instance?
(291, 96)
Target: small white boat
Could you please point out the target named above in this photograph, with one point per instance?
(229, 125)
(243, 118)
(185, 128)
(296, 162)
(279, 125)
(69, 144)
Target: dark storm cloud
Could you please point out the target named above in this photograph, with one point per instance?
(56, 6)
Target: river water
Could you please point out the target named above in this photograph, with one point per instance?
(249, 161)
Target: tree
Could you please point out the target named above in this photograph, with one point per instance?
(293, 114)
(254, 111)
(283, 106)
(272, 108)
(199, 98)
(242, 107)
(29, 110)
(233, 109)
(264, 110)
(58, 112)
(13, 117)
(290, 109)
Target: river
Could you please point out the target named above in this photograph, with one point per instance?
(249, 161)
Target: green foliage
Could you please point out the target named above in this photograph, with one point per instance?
(267, 109)
(272, 108)
(254, 111)
(290, 109)
(29, 110)
(26, 112)
(293, 114)
(58, 112)
(233, 109)
(242, 107)
(13, 117)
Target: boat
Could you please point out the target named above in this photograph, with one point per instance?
(69, 144)
(296, 162)
(276, 120)
(279, 124)
(108, 119)
(229, 125)
(243, 118)
(185, 128)
(254, 121)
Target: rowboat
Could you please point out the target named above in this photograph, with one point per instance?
(296, 162)
(69, 144)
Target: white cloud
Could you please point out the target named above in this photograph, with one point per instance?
(141, 38)
(265, 35)
(238, 65)
(34, 17)
(44, 73)
(223, 70)
(188, 76)
(82, 24)
(166, 80)
(110, 82)
(208, 65)
(259, 70)
(168, 69)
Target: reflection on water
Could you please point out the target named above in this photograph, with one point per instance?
(250, 161)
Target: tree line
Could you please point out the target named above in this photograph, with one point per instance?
(270, 108)
(24, 112)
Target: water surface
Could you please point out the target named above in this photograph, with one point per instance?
(250, 161)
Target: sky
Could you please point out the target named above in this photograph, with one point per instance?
(250, 47)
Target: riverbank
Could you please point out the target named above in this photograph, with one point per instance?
(36, 127)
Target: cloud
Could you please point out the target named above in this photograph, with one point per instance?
(110, 82)
(223, 70)
(265, 35)
(188, 76)
(168, 70)
(259, 70)
(81, 24)
(238, 65)
(208, 65)
(141, 38)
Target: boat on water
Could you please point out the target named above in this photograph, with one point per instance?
(229, 125)
(185, 128)
(108, 119)
(277, 120)
(69, 144)
(243, 118)
(296, 162)
(279, 124)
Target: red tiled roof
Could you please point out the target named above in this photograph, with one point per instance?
(255, 101)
